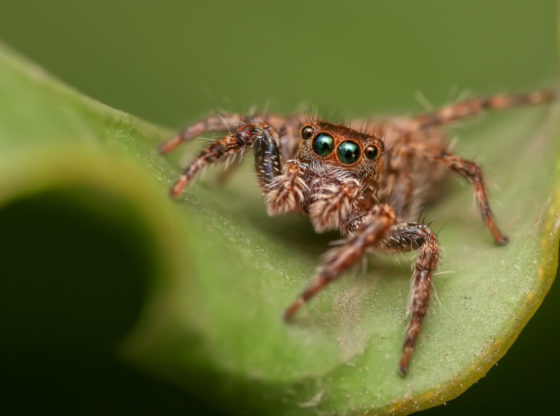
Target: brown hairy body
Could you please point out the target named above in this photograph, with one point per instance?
(368, 180)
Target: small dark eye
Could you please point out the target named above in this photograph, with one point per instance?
(348, 152)
(323, 144)
(307, 132)
(371, 152)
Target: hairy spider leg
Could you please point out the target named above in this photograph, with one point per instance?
(406, 237)
(266, 154)
(222, 123)
(473, 173)
(214, 123)
(340, 258)
(379, 232)
(472, 107)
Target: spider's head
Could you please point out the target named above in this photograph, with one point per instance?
(338, 147)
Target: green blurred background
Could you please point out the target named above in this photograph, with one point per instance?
(173, 61)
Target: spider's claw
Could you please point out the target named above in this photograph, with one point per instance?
(178, 188)
(503, 240)
(292, 309)
(405, 360)
(499, 238)
(287, 316)
(403, 369)
(172, 194)
(169, 145)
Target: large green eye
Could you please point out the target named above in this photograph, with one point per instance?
(348, 152)
(323, 144)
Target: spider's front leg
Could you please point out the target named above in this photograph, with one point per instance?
(261, 136)
(222, 123)
(214, 123)
(406, 237)
(375, 225)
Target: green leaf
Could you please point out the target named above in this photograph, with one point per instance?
(94, 246)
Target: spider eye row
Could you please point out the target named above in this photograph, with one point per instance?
(348, 151)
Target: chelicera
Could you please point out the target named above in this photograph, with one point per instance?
(367, 179)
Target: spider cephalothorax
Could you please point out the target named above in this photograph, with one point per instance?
(340, 147)
(369, 184)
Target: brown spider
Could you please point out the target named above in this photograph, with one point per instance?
(368, 183)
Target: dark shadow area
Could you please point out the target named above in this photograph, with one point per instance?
(75, 270)
(525, 381)
(295, 231)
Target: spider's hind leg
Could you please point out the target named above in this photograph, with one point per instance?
(472, 107)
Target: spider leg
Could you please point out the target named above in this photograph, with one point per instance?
(473, 173)
(459, 111)
(260, 135)
(221, 123)
(407, 237)
(472, 107)
(213, 123)
(340, 258)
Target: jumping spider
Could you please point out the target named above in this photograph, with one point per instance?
(368, 183)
